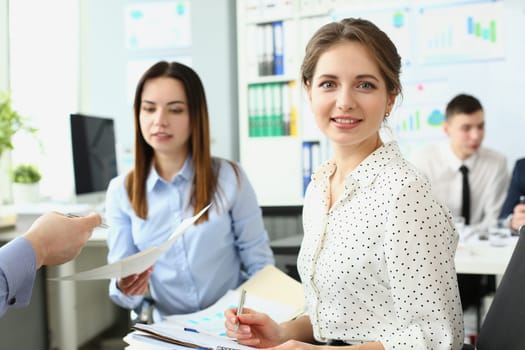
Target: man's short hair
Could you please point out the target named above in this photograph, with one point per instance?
(462, 104)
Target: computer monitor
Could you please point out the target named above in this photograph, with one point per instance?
(94, 156)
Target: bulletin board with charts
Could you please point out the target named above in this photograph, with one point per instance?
(154, 31)
(447, 47)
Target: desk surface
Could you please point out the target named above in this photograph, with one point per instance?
(472, 256)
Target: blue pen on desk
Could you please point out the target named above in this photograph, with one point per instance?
(240, 307)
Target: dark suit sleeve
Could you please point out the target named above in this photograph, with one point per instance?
(516, 189)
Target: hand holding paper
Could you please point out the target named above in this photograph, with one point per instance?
(136, 263)
(136, 284)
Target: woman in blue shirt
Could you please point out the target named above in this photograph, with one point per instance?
(174, 177)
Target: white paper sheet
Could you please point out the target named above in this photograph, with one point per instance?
(211, 320)
(136, 263)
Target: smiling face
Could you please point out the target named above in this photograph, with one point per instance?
(164, 117)
(348, 95)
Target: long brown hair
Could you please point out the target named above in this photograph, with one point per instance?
(205, 179)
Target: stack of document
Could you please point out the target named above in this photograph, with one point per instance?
(270, 291)
(166, 335)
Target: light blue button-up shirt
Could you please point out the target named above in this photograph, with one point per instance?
(209, 259)
(17, 273)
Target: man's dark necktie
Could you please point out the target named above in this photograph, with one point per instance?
(465, 203)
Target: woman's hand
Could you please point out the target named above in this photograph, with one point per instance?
(135, 284)
(255, 329)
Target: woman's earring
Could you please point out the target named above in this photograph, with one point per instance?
(387, 114)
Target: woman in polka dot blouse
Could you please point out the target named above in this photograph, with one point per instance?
(377, 258)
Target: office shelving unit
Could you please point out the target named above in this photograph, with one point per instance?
(279, 143)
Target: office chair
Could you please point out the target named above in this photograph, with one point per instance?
(503, 327)
(472, 289)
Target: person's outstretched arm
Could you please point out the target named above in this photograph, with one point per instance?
(51, 240)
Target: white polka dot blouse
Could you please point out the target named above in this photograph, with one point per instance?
(379, 264)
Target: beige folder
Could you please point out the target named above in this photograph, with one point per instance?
(273, 284)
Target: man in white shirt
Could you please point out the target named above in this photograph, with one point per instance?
(487, 169)
(488, 179)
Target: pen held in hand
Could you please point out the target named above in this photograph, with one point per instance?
(71, 215)
(240, 307)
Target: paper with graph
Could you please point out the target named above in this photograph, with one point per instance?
(211, 320)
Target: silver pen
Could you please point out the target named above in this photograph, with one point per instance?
(240, 307)
(71, 215)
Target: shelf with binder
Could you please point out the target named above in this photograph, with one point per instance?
(271, 79)
(272, 109)
(271, 37)
(263, 21)
(311, 159)
(270, 49)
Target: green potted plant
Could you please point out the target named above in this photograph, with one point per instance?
(11, 122)
(26, 174)
(26, 179)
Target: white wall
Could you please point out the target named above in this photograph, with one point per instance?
(4, 68)
(104, 58)
(44, 83)
(5, 189)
